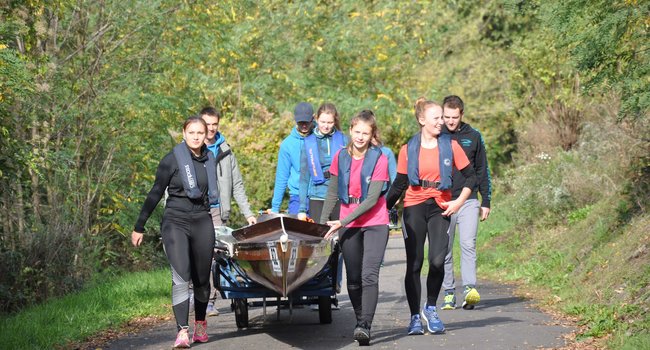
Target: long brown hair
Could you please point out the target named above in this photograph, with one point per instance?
(368, 117)
(330, 108)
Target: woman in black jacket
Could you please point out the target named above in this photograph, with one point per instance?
(188, 173)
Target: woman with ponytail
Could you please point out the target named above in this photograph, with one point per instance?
(189, 174)
(424, 169)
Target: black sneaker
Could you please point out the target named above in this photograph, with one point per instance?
(362, 335)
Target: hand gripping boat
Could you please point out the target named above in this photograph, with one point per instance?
(280, 258)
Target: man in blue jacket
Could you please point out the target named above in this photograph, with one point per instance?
(468, 216)
(287, 173)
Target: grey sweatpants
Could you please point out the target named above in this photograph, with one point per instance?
(216, 221)
(467, 221)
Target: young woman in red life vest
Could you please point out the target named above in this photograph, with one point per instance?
(424, 169)
(358, 174)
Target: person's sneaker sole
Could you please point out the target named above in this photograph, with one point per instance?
(467, 306)
(471, 298)
(362, 337)
(418, 332)
(431, 331)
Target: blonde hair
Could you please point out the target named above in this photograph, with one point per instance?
(421, 105)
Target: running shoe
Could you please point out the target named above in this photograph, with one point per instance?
(450, 301)
(430, 316)
(471, 297)
(415, 327)
(211, 310)
(182, 339)
(200, 334)
(362, 335)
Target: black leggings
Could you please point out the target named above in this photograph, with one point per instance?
(316, 209)
(188, 239)
(421, 221)
(363, 249)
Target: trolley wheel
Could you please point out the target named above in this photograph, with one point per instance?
(241, 312)
(325, 309)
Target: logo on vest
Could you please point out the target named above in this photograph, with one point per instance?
(368, 178)
(447, 162)
(190, 179)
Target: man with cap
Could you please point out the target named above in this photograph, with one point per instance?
(287, 173)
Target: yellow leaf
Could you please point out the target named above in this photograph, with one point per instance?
(179, 28)
(3, 46)
(254, 65)
(354, 14)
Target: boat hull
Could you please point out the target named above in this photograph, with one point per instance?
(278, 264)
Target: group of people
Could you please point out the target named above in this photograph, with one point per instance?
(349, 182)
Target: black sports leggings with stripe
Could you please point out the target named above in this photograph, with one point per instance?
(363, 250)
(420, 222)
(188, 239)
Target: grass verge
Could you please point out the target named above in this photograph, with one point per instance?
(74, 318)
(592, 267)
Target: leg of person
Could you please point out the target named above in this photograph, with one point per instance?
(375, 239)
(216, 222)
(175, 232)
(414, 229)
(468, 217)
(339, 273)
(437, 226)
(351, 241)
(201, 250)
(212, 310)
(449, 282)
(315, 209)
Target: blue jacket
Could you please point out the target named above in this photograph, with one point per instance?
(287, 173)
(309, 190)
(392, 163)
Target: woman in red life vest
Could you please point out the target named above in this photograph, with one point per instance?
(424, 168)
(358, 174)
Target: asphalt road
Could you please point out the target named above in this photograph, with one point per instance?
(499, 321)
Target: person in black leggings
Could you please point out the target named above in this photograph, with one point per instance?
(424, 169)
(189, 175)
(358, 174)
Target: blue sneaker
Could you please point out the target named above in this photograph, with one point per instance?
(415, 328)
(434, 325)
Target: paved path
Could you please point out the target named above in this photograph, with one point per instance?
(500, 321)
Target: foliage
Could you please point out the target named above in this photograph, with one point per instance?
(92, 95)
(586, 249)
(107, 303)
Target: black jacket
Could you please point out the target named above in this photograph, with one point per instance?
(167, 178)
(472, 143)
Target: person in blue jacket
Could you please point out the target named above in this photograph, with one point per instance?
(287, 173)
(392, 173)
(315, 160)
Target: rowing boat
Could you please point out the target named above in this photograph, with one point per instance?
(281, 253)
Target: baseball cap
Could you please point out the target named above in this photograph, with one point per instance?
(303, 112)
